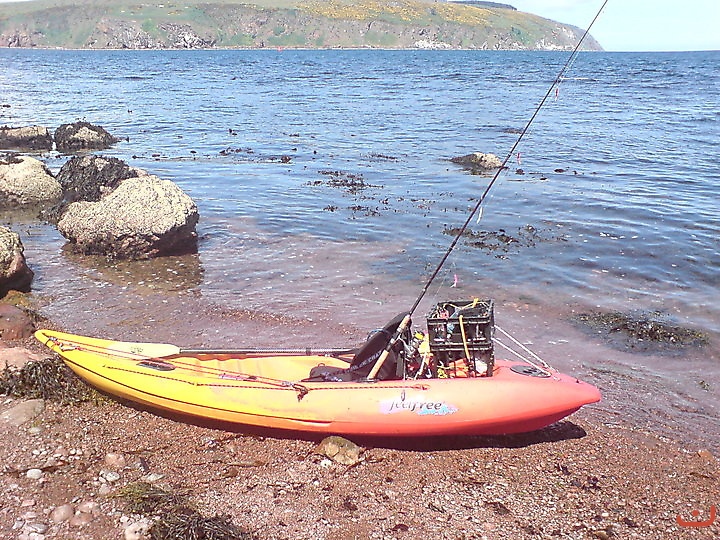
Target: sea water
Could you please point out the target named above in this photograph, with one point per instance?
(326, 195)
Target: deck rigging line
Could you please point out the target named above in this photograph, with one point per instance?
(406, 321)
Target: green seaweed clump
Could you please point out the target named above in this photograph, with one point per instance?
(176, 518)
(48, 379)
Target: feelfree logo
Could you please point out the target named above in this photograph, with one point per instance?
(417, 406)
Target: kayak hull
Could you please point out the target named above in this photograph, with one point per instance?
(267, 391)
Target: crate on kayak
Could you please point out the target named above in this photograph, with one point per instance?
(462, 331)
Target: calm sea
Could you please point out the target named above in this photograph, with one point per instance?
(325, 189)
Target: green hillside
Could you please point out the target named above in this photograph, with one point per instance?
(98, 24)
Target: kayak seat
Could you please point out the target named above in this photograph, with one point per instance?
(365, 358)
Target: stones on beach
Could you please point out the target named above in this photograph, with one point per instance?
(143, 217)
(14, 271)
(82, 136)
(26, 138)
(25, 181)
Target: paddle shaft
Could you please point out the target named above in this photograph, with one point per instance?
(260, 351)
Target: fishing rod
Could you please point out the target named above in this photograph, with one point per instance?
(406, 321)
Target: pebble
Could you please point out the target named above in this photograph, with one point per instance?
(153, 477)
(115, 460)
(62, 513)
(89, 507)
(706, 455)
(34, 474)
(80, 519)
(109, 476)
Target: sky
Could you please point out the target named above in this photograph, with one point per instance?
(638, 25)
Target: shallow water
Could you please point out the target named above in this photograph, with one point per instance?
(619, 183)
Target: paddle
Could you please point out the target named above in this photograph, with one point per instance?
(142, 351)
(160, 350)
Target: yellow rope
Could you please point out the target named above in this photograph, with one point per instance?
(465, 345)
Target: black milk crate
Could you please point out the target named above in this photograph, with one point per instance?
(449, 342)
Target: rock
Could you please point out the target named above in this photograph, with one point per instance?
(705, 454)
(16, 357)
(114, 460)
(478, 161)
(340, 450)
(151, 478)
(89, 507)
(143, 217)
(82, 136)
(62, 513)
(14, 271)
(25, 181)
(80, 519)
(14, 324)
(109, 476)
(88, 178)
(34, 474)
(25, 138)
(23, 412)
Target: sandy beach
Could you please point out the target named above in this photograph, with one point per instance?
(66, 474)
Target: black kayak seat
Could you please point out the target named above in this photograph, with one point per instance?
(364, 358)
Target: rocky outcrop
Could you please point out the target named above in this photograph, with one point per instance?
(478, 162)
(25, 138)
(82, 136)
(14, 272)
(143, 217)
(25, 181)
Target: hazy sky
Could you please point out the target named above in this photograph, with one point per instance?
(638, 25)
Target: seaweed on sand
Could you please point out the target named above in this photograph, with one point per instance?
(48, 379)
(644, 332)
(176, 518)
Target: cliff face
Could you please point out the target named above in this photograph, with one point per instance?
(98, 24)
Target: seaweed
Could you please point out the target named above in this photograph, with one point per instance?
(176, 519)
(48, 379)
(646, 332)
(500, 242)
(191, 525)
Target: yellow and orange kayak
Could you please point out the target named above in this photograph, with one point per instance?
(268, 391)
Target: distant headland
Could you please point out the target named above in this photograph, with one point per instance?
(310, 24)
